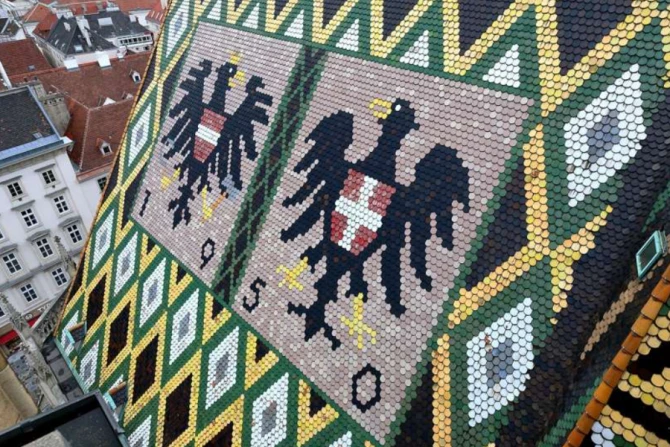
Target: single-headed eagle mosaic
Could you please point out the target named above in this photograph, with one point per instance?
(364, 209)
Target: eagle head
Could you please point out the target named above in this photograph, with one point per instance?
(397, 117)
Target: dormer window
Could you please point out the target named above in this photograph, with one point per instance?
(135, 76)
(105, 148)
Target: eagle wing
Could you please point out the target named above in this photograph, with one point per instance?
(441, 180)
(327, 170)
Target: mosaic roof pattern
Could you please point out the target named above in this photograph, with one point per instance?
(386, 223)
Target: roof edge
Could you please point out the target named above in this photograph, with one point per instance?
(659, 296)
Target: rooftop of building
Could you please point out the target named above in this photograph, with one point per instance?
(67, 36)
(22, 56)
(156, 14)
(99, 101)
(37, 13)
(90, 84)
(45, 25)
(125, 6)
(24, 126)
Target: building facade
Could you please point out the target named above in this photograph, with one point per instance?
(40, 199)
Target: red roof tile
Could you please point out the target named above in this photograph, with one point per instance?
(37, 13)
(89, 127)
(93, 6)
(135, 5)
(90, 85)
(18, 56)
(156, 14)
(46, 24)
(87, 89)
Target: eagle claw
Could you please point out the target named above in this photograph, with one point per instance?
(315, 320)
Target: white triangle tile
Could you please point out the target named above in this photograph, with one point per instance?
(418, 53)
(344, 441)
(604, 136)
(215, 13)
(507, 71)
(252, 20)
(349, 41)
(295, 29)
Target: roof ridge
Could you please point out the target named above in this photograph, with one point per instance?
(84, 138)
(659, 296)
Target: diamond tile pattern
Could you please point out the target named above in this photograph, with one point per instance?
(387, 223)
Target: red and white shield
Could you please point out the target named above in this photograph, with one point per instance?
(206, 137)
(359, 211)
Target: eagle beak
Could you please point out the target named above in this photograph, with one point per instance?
(380, 108)
(236, 80)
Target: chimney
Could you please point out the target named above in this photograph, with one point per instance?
(71, 64)
(82, 23)
(103, 59)
(5, 78)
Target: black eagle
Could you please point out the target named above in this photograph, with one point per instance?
(441, 180)
(225, 160)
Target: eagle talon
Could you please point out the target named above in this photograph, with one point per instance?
(315, 320)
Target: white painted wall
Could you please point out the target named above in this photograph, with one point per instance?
(17, 237)
(91, 190)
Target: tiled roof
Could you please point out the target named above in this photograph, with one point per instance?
(90, 85)
(648, 333)
(22, 56)
(136, 5)
(37, 13)
(89, 127)
(44, 27)
(123, 5)
(87, 89)
(156, 14)
(66, 36)
(21, 119)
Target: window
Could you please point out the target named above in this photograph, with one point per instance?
(15, 190)
(29, 217)
(12, 263)
(102, 181)
(61, 204)
(105, 148)
(28, 292)
(49, 177)
(2, 235)
(75, 234)
(59, 276)
(2, 312)
(44, 247)
(136, 76)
